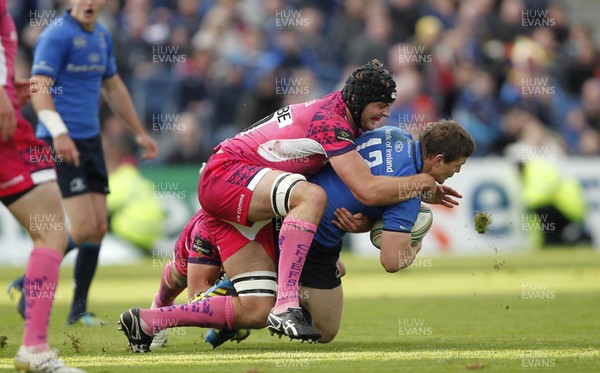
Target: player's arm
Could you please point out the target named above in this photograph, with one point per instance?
(23, 91)
(351, 223)
(118, 99)
(396, 250)
(373, 190)
(41, 98)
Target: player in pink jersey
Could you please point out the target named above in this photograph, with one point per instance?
(29, 190)
(261, 173)
(197, 266)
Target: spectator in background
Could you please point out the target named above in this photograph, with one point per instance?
(194, 81)
(188, 15)
(578, 59)
(444, 10)
(478, 111)
(225, 97)
(528, 85)
(504, 23)
(190, 142)
(404, 15)
(348, 23)
(590, 99)
(259, 102)
(274, 38)
(413, 108)
(556, 204)
(376, 39)
(581, 127)
(313, 37)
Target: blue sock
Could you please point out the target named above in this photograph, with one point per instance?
(85, 267)
(70, 246)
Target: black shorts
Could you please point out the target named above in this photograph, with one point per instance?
(90, 176)
(320, 269)
(8, 200)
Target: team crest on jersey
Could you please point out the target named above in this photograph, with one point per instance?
(343, 135)
(398, 146)
(79, 42)
(94, 57)
(202, 246)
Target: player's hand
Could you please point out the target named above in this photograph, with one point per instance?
(8, 119)
(149, 145)
(427, 183)
(66, 150)
(444, 196)
(23, 91)
(356, 223)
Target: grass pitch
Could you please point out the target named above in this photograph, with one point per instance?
(518, 313)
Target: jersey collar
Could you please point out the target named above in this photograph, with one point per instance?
(70, 18)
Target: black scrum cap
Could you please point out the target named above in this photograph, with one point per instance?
(369, 83)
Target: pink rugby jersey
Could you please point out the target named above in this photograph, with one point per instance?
(8, 54)
(297, 138)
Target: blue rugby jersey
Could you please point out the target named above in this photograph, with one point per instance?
(78, 61)
(389, 151)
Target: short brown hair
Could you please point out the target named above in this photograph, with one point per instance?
(448, 138)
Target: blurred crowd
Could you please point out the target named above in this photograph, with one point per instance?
(511, 71)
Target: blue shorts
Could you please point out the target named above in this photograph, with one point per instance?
(320, 268)
(90, 176)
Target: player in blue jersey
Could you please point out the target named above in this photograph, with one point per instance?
(73, 67)
(441, 151)
(389, 151)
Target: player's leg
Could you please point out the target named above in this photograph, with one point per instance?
(40, 213)
(87, 214)
(252, 271)
(173, 279)
(196, 264)
(172, 283)
(201, 277)
(302, 204)
(238, 192)
(325, 309)
(257, 194)
(198, 278)
(38, 209)
(321, 291)
(204, 264)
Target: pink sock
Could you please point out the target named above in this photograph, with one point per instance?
(41, 278)
(214, 312)
(295, 239)
(168, 290)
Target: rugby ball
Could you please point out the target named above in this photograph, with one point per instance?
(422, 224)
(420, 228)
(376, 233)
